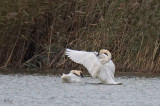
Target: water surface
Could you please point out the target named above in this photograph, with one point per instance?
(48, 90)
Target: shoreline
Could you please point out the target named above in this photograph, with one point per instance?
(61, 71)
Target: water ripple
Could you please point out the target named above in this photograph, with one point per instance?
(36, 90)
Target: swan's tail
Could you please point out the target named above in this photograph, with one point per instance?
(65, 78)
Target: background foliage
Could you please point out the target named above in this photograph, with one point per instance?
(35, 33)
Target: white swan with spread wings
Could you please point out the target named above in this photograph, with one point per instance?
(99, 65)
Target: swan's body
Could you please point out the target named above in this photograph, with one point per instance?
(73, 77)
(99, 65)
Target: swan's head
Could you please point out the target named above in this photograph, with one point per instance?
(103, 51)
(77, 72)
(106, 54)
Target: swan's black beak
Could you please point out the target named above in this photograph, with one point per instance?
(98, 54)
(81, 74)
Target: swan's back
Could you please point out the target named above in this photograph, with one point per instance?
(69, 78)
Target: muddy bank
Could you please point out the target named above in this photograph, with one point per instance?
(59, 72)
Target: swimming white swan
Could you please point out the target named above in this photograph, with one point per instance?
(73, 76)
(99, 64)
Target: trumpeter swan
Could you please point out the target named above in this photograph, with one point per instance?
(73, 76)
(99, 65)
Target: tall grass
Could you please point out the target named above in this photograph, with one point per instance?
(36, 33)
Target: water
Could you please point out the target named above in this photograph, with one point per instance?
(48, 90)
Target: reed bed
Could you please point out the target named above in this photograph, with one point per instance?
(35, 34)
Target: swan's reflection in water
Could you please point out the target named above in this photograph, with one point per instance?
(48, 90)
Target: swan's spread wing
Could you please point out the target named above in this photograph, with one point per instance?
(87, 59)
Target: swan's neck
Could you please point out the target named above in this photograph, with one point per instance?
(108, 58)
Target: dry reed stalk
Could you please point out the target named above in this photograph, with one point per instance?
(49, 49)
(123, 27)
(56, 57)
(35, 56)
(157, 45)
(10, 56)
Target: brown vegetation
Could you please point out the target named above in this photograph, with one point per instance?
(36, 33)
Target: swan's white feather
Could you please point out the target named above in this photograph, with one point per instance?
(70, 78)
(94, 64)
(87, 59)
(107, 73)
